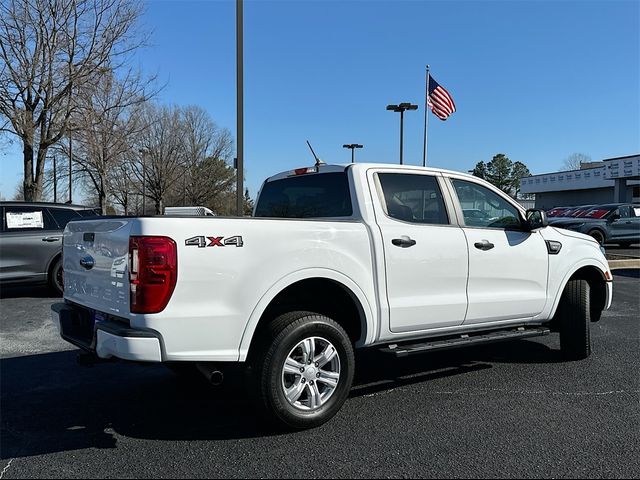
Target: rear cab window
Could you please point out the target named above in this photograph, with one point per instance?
(311, 195)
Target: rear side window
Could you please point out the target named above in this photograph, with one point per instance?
(323, 195)
(413, 198)
(29, 219)
(62, 216)
(93, 212)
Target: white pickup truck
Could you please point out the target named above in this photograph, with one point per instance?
(403, 258)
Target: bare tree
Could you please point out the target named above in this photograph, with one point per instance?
(121, 186)
(162, 156)
(49, 49)
(206, 173)
(105, 138)
(573, 161)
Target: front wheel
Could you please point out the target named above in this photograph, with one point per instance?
(574, 317)
(305, 369)
(598, 235)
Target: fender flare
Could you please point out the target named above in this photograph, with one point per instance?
(574, 268)
(300, 275)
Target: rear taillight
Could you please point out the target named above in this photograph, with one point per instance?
(153, 271)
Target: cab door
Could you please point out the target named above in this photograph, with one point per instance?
(425, 252)
(624, 225)
(30, 239)
(508, 265)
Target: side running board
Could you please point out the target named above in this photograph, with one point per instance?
(465, 340)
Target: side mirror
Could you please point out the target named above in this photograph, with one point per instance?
(536, 218)
(614, 217)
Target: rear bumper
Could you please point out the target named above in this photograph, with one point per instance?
(105, 338)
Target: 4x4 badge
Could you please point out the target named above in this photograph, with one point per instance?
(201, 241)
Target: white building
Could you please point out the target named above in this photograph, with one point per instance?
(612, 180)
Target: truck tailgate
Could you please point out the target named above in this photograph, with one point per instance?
(95, 261)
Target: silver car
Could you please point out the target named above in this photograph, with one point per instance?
(31, 241)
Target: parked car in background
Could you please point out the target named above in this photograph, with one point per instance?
(571, 212)
(557, 212)
(31, 241)
(189, 211)
(612, 223)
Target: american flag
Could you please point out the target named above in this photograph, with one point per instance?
(439, 100)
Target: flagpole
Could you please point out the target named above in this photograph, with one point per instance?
(426, 120)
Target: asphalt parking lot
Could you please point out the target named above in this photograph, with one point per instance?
(505, 410)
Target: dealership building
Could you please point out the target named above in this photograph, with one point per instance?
(613, 180)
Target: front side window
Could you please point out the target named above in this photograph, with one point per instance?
(413, 198)
(484, 208)
(623, 211)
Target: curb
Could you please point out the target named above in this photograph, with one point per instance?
(632, 263)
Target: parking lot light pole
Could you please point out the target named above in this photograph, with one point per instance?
(70, 160)
(402, 107)
(352, 147)
(143, 152)
(55, 181)
(239, 108)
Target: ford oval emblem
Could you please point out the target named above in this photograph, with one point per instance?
(87, 262)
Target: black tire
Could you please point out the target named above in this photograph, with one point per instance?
(574, 316)
(56, 278)
(598, 235)
(284, 334)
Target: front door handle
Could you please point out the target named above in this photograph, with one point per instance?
(484, 245)
(51, 239)
(404, 242)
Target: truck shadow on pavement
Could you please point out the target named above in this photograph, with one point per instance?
(49, 404)
(24, 291)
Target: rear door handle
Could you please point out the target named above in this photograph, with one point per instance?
(51, 239)
(404, 242)
(484, 245)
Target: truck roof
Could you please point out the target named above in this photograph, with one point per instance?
(326, 168)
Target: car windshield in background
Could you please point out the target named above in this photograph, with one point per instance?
(556, 212)
(578, 212)
(596, 213)
(315, 195)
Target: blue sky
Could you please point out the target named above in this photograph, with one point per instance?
(535, 80)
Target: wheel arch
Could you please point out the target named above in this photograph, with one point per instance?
(52, 262)
(321, 290)
(594, 274)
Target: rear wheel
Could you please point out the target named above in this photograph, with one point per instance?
(598, 235)
(304, 370)
(574, 317)
(56, 277)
